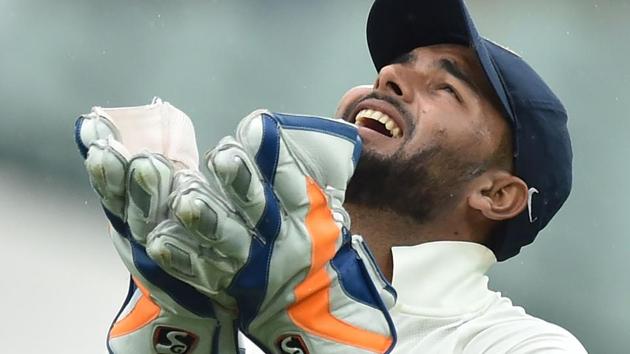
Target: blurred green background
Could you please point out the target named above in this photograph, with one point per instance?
(217, 61)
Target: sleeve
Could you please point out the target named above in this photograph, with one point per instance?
(555, 340)
(509, 330)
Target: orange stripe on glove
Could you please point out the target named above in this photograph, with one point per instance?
(311, 310)
(142, 314)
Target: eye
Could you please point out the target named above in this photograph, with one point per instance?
(451, 91)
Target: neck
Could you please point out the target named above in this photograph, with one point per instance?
(384, 229)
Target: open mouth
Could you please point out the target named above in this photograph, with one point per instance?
(379, 122)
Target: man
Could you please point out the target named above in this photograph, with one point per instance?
(466, 156)
(457, 175)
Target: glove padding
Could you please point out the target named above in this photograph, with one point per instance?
(280, 252)
(161, 314)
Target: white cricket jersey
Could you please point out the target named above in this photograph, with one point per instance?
(444, 306)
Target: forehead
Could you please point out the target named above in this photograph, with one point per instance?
(427, 58)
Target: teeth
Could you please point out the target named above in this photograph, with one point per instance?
(381, 117)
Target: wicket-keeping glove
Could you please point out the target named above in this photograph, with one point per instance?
(161, 314)
(280, 251)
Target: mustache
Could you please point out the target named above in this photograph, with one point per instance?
(397, 104)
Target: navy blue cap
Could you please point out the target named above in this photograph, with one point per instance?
(542, 148)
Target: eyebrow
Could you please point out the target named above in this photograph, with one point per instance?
(452, 68)
(406, 58)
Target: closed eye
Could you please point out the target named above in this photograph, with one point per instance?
(451, 91)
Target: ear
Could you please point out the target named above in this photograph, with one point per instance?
(498, 195)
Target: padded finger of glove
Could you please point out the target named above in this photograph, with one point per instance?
(240, 180)
(285, 146)
(92, 127)
(197, 263)
(106, 165)
(208, 217)
(149, 184)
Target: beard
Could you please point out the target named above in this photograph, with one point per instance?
(419, 186)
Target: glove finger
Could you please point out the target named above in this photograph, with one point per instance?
(92, 127)
(208, 217)
(149, 184)
(188, 204)
(288, 148)
(240, 180)
(258, 136)
(106, 164)
(197, 263)
(328, 149)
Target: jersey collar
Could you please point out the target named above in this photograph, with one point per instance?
(441, 278)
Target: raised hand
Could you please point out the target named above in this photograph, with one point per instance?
(269, 238)
(161, 313)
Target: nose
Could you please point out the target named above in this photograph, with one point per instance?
(391, 80)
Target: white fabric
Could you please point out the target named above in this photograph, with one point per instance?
(156, 127)
(444, 306)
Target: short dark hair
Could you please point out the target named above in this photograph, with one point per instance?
(503, 156)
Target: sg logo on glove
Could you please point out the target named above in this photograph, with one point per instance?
(168, 340)
(291, 344)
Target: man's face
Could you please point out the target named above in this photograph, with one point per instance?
(429, 125)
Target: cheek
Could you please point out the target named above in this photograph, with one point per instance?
(426, 137)
(449, 129)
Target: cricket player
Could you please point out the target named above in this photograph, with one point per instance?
(454, 159)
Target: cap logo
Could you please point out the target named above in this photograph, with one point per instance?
(530, 196)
